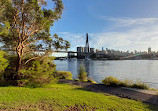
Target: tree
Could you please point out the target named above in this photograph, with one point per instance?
(3, 61)
(25, 28)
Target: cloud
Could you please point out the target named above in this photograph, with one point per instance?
(135, 34)
(130, 21)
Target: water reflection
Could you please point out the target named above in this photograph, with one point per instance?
(144, 70)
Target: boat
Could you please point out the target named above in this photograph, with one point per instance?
(62, 58)
(74, 59)
(88, 59)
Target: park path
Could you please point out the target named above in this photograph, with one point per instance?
(147, 96)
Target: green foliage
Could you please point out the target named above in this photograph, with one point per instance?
(63, 97)
(3, 61)
(10, 73)
(64, 74)
(82, 75)
(37, 72)
(126, 83)
(90, 79)
(24, 23)
(3, 64)
(25, 28)
(112, 81)
(139, 84)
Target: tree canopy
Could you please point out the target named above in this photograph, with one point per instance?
(25, 28)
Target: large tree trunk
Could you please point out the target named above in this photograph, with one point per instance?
(19, 61)
(18, 66)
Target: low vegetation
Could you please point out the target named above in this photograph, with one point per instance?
(36, 73)
(112, 81)
(3, 61)
(90, 79)
(82, 75)
(3, 64)
(64, 74)
(59, 97)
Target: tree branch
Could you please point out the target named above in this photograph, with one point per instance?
(32, 59)
(30, 34)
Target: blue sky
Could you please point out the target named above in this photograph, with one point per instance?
(115, 24)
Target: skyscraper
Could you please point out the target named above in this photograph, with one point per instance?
(87, 44)
(149, 50)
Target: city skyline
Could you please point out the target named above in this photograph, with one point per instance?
(87, 49)
(118, 25)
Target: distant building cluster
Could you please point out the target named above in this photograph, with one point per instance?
(87, 52)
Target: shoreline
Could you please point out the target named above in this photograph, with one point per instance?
(146, 96)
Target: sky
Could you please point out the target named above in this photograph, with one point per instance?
(113, 24)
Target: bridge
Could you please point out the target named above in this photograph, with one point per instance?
(40, 50)
(73, 53)
(69, 53)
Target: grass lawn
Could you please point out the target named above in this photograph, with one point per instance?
(59, 97)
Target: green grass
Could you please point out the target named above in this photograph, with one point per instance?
(60, 97)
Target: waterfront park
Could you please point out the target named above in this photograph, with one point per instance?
(29, 79)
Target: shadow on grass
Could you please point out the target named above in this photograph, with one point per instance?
(151, 100)
(7, 83)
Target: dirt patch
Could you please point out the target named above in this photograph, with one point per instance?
(80, 108)
(41, 106)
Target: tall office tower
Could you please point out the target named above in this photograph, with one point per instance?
(87, 44)
(91, 50)
(102, 49)
(149, 50)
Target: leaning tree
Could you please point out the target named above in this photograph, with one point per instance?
(25, 28)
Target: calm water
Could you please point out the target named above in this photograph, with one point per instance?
(144, 70)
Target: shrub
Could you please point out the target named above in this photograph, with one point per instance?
(126, 83)
(7, 77)
(64, 74)
(3, 64)
(112, 81)
(3, 61)
(91, 80)
(82, 75)
(10, 71)
(37, 72)
(140, 85)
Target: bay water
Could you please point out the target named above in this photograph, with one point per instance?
(142, 70)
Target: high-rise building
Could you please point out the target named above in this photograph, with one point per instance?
(91, 50)
(80, 49)
(86, 49)
(80, 52)
(149, 50)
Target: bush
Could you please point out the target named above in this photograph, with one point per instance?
(10, 71)
(126, 83)
(3, 64)
(3, 61)
(140, 85)
(82, 75)
(64, 74)
(37, 72)
(112, 81)
(90, 79)
(7, 77)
